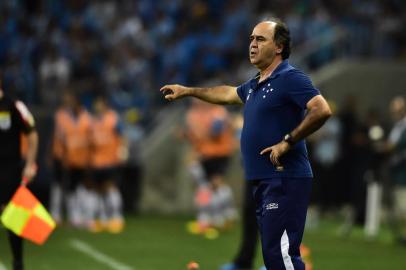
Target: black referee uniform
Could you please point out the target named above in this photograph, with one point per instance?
(15, 120)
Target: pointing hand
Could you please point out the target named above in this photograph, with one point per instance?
(173, 91)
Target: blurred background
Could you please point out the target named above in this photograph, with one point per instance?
(354, 51)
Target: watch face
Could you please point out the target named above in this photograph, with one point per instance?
(288, 139)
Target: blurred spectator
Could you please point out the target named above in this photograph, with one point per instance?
(377, 133)
(326, 153)
(349, 123)
(352, 166)
(54, 72)
(133, 168)
(374, 171)
(397, 144)
(208, 128)
(58, 187)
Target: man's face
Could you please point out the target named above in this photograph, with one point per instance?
(69, 101)
(263, 49)
(99, 106)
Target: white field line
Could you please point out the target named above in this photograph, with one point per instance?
(97, 255)
(2, 266)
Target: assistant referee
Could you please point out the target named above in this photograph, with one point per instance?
(15, 120)
(281, 108)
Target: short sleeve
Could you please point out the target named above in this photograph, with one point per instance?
(300, 89)
(242, 91)
(25, 117)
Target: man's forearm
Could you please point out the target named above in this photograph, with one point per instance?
(32, 147)
(218, 94)
(313, 120)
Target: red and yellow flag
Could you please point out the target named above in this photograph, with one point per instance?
(27, 217)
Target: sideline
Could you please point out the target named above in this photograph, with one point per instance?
(85, 248)
(2, 266)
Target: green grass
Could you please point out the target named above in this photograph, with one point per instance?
(329, 251)
(157, 242)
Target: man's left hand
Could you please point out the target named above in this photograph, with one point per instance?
(276, 151)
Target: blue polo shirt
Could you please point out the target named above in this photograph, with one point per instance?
(272, 109)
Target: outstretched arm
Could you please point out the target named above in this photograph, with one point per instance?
(218, 94)
(318, 111)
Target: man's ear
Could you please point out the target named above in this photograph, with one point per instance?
(279, 49)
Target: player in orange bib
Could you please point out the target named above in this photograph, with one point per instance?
(72, 142)
(208, 128)
(108, 154)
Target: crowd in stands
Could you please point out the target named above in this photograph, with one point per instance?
(128, 49)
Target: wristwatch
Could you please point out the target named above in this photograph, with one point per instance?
(288, 138)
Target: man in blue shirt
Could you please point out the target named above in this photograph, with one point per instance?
(281, 108)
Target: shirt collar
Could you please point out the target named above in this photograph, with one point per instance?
(282, 67)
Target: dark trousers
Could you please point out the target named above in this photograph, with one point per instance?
(16, 244)
(281, 206)
(10, 178)
(249, 236)
(130, 188)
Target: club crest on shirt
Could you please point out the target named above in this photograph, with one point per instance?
(266, 90)
(271, 206)
(5, 120)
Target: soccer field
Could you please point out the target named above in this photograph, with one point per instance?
(157, 242)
